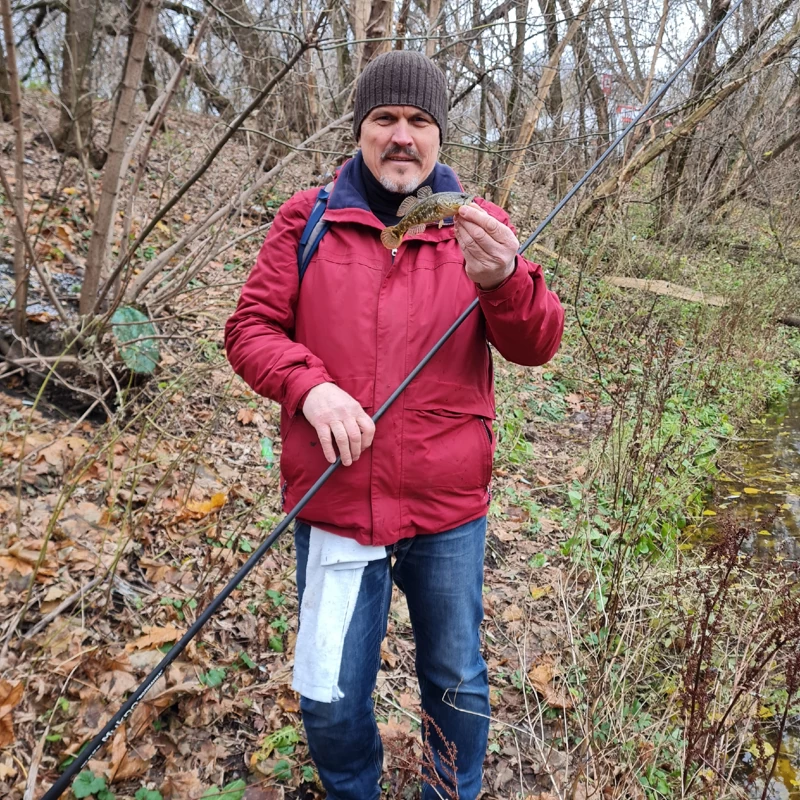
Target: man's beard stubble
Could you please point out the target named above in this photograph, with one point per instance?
(401, 185)
(406, 187)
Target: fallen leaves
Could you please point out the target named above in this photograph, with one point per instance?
(154, 636)
(246, 416)
(10, 695)
(128, 762)
(541, 676)
(204, 507)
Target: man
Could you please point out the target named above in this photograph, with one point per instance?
(332, 351)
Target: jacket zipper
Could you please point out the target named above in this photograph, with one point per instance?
(394, 253)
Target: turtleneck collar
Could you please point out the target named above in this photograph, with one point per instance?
(381, 201)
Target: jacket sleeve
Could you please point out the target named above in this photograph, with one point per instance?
(259, 335)
(524, 319)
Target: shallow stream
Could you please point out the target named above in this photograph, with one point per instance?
(761, 486)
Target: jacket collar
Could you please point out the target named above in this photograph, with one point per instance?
(347, 201)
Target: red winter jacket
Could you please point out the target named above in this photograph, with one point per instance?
(363, 318)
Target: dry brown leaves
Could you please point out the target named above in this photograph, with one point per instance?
(541, 676)
(10, 696)
(154, 636)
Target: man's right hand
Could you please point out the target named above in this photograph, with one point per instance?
(337, 416)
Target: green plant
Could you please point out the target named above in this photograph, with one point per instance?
(87, 784)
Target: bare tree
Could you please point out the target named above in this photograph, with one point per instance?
(74, 132)
(98, 244)
(18, 198)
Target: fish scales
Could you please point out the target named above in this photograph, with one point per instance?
(433, 208)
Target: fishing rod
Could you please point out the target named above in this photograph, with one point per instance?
(89, 750)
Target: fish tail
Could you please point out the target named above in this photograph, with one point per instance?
(391, 237)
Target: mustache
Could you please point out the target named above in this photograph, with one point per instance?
(397, 150)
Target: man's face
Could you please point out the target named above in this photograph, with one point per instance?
(400, 145)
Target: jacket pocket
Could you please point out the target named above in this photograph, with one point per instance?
(445, 451)
(489, 443)
(302, 459)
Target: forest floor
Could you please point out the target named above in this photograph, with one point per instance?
(147, 515)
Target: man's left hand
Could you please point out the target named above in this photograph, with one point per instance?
(490, 248)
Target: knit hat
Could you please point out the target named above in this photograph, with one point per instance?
(401, 78)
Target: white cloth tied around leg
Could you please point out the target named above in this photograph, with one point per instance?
(333, 578)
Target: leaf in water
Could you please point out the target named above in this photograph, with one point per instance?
(134, 334)
(709, 513)
(762, 750)
(764, 533)
(751, 490)
(266, 451)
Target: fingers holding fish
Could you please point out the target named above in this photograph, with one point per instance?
(484, 228)
(489, 247)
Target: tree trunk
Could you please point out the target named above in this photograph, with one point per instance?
(258, 53)
(379, 30)
(555, 101)
(74, 131)
(599, 103)
(344, 64)
(20, 317)
(535, 109)
(215, 99)
(432, 43)
(649, 153)
(5, 91)
(679, 154)
(104, 223)
(149, 81)
(513, 104)
(476, 14)
(402, 24)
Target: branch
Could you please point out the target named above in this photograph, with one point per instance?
(158, 264)
(535, 109)
(612, 185)
(201, 170)
(18, 197)
(97, 256)
(46, 285)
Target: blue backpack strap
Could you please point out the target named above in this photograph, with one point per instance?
(315, 229)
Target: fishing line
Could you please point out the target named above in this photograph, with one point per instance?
(89, 750)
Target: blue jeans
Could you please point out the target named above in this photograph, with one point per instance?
(441, 576)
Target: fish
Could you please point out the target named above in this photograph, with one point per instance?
(417, 212)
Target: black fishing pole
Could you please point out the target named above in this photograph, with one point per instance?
(61, 785)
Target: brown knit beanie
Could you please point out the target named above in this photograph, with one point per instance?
(402, 78)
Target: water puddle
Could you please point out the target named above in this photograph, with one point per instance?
(761, 486)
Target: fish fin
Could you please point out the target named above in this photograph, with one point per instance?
(424, 191)
(407, 205)
(415, 230)
(390, 238)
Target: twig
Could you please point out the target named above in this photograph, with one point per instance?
(45, 281)
(158, 264)
(37, 754)
(74, 597)
(201, 170)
